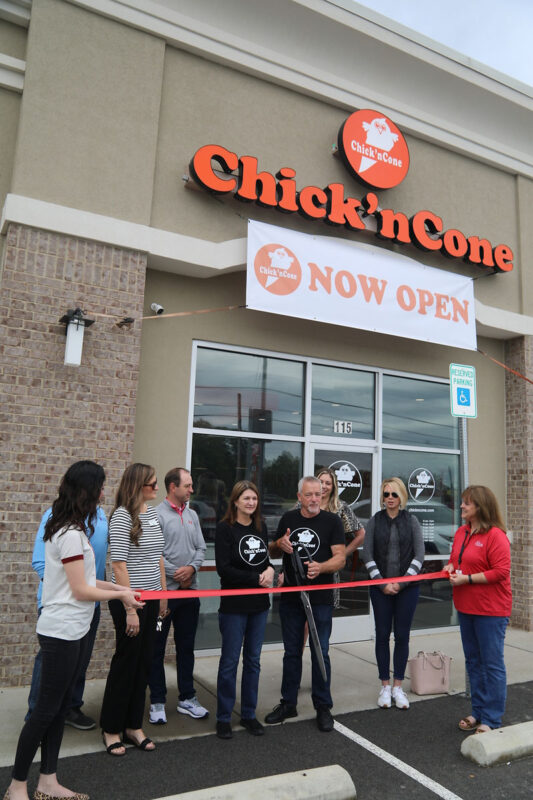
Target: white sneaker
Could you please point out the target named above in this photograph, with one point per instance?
(157, 714)
(384, 699)
(193, 708)
(399, 697)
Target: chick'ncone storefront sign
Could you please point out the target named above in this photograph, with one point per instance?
(358, 286)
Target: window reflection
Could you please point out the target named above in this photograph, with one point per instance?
(342, 403)
(218, 462)
(418, 412)
(432, 480)
(241, 392)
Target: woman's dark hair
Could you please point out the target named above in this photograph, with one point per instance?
(77, 500)
(129, 495)
(488, 510)
(231, 514)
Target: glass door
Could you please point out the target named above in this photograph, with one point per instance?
(355, 472)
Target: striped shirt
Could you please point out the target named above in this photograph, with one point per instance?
(142, 562)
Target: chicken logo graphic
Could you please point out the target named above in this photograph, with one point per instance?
(378, 134)
(277, 269)
(307, 537)
(252, 550)
(421, 485)
(373, 149)
(348, 479)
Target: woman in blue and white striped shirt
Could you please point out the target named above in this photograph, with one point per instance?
(136, 546)
(393, 547)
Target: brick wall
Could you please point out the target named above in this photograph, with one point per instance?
(519, 430)
(52, 415)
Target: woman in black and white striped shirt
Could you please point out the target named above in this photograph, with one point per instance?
(136, 546)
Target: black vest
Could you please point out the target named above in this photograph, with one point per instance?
(382, 528)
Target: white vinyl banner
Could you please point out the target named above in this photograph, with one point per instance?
(357, 285)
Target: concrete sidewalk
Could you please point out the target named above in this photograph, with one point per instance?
(355, 687)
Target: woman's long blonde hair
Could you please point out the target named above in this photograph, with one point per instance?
(333, 501)
(129, 495)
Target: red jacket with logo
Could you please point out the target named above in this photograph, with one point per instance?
(489, 553)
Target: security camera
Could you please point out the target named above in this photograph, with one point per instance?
(157, 309)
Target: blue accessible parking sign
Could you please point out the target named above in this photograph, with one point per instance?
(463, 390)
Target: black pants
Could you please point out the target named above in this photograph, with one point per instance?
(124, 696)
(62, 661)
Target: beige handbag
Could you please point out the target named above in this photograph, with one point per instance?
(430, 673)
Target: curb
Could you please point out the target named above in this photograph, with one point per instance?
(321, 783)
(503, 744)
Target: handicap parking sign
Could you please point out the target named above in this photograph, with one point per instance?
(463, 396)
(463, 390)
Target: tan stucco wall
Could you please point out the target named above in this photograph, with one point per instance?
(111, 117)
(90, 113)
(9, 120)
(204, 103)
(525, 239)
(12, 40)
(165, 373)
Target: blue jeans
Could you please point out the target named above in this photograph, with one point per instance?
(79, 686)
(184, 617)
(293, 619)
(246, 631)
(483, 639)
(393, 611)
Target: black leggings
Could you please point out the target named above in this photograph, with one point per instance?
(61, 663)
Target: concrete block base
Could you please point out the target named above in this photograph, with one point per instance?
(503, 744)
(322, 783)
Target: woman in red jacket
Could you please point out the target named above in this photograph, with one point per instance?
(480, 567)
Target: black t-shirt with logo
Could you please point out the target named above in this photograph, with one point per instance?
(241, 555)
(318, 534)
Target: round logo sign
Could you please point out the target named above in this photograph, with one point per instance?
(304, 537)
(421, 485)
(349, 480)
(277, 269)
(252, 550)
(373, 149)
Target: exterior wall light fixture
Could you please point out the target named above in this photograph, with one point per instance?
(75, 323)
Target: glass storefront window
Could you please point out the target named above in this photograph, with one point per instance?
(417, 412)
(218, 462)
(432, 481)
(342, 402)
(242, 392)
(435, 607)
(251, 421)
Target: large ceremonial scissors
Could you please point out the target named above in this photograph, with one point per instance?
(301, 579)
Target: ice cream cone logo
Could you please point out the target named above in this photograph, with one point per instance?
(421, 485)
(277, 269)
(373, 149)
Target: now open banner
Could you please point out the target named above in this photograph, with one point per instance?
(358, 286)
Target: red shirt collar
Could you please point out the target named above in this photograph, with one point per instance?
(178, 509)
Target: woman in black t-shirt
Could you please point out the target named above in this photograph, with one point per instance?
(241, 553)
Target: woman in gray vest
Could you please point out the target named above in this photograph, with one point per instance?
(393, 547)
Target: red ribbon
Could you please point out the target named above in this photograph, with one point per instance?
(183, 594)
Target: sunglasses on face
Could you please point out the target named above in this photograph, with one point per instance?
(391, 494)
(152, 485)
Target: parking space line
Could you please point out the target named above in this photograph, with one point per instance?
(411, 772)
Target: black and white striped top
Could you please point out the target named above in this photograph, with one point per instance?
(142, 562)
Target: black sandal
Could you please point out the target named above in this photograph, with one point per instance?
(110, 748)
(139, 745)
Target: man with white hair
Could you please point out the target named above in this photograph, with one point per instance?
(319, 537)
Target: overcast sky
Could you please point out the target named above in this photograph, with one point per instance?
(496, 32)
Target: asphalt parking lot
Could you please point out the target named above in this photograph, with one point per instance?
(425, 738)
